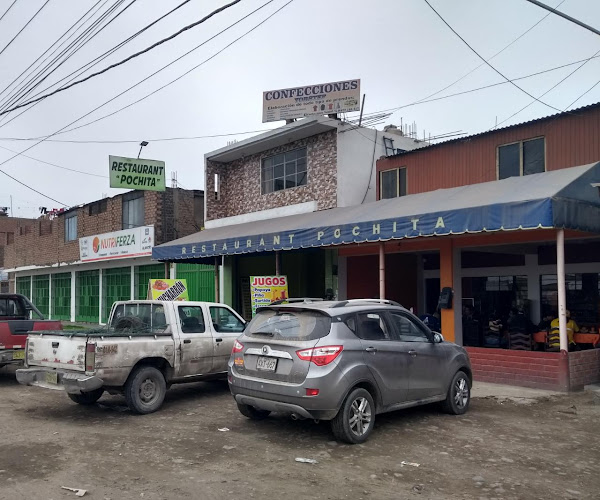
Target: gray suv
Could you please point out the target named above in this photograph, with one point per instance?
(344, 361)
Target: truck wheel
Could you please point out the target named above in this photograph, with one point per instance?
(145, 390)
(253, 413)
(87, 398)
(354, 422)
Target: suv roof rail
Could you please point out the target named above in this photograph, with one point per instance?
(359, 301)
(298, 299)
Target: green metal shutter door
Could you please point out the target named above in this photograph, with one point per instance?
(87, 298)
(24, 286)
(116, 284)
(41, 293)
(143, 274)
(200, 280)
(61, 296)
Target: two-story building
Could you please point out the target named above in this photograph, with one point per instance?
(8, 227)
(306, 168)
(74, 264)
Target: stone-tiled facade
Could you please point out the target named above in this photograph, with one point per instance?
(240, 180)
(41, 242)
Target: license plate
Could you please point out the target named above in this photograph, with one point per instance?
(266, 364)
(19, 354)
(52, 378)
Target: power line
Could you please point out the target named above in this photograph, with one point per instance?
(26, 24)
(485, 61)
(97, 60)
(6, 11)
(127, 59)
(266, 130)
(494, 56)
(565, 16)
(92, 111)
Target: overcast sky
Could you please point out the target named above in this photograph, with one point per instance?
(400, 49)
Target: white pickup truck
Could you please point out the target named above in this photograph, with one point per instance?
(147, 346)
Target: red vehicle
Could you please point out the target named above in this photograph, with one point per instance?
(18, 317)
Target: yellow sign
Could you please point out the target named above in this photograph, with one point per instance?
(164, 289)
(267, 289)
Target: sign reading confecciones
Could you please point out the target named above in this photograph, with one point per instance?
(525, 215)
(135, 242)
(136, 173)
(320, 99)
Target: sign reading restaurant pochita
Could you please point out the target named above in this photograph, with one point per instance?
(135, 242)
(137, 173)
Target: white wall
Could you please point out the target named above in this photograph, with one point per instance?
(358, 151)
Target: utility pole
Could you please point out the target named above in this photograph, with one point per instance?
(565, 16)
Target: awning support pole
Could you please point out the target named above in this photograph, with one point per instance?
(562, 296)
(217, 294)
(277, 263)
(381, 270)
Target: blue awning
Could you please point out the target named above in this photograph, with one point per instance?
(558, 199)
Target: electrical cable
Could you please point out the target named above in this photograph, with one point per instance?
(6, 11)
(486, 61)
(127, 59)
(96, 61)
(72, 49)
(23, 28)
(492, 57)
(98, 107)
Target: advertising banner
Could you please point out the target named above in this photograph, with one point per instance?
(136, 173)
(135, 242)
(267, 289)
(164, 289)
(321, 99)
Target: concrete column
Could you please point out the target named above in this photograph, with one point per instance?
(342, 278)
(381, 270)
(277, 262)
(73, 297)
(222, 280)
(100, 296)
(31, 288)
(457, 280)
(49, 295)
(421, 287)
(132, 284)
(173, 274)
(447, 280)
(562, 294)
(217, 281)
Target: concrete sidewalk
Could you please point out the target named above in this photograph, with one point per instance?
(522, 395)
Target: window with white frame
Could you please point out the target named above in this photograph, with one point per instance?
(522, 158)
(392, 183)
(133, 209)
(283, 171)
(71, 227)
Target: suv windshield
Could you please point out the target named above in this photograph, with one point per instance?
(140, 318)
(289, 324)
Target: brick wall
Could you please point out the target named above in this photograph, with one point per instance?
(240, 189)
(42, 241)
(584, 368)
(9, 226)
(539, 370)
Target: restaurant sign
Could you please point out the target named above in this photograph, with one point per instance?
(533, 214)
(136, 173)
(135, 242)
(321, 99)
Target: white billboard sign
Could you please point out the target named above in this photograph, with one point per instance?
(135, 242)
(321, 99)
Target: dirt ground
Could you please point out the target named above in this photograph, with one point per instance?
(499, 449)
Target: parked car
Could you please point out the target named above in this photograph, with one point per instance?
(345, 362)
(147, 346)
(18, 317)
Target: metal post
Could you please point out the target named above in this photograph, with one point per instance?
(381, 270)
(562, 295)
(277, 263)
(217, 294)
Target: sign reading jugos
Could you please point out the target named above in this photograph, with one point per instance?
(136, 173)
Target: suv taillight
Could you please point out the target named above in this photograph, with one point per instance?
(320, 356)
(90, 357)
(237, 347)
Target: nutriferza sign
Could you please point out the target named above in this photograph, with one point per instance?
(320, 99)
(135, 242)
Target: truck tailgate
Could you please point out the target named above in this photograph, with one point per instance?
(56, 351)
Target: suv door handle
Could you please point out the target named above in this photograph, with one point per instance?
(187, 341)
(371, 349)
(412, 353)
(218, 340)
